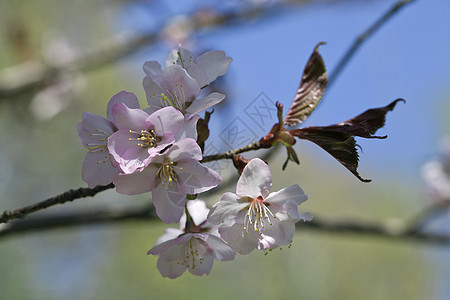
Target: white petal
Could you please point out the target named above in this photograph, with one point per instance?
(287, 200)
(152, 68)
(197, 210)
(221, 250)
(174, 58)
(170, 234)
(227, 208)
(255, 180)
(200, 105)
(240, 241)
(214, 64)
(293, 192)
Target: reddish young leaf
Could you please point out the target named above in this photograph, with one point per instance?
(310, 91)
(338, 140)
(367, 123)
(341, 146)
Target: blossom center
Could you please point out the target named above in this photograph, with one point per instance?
(168, 173)
(257, 215)
(147, 138)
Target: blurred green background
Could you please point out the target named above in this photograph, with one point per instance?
(41, 156)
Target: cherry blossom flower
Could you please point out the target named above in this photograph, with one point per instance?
(193, 247)
(205, 69)
(436, 174)
(141, 136)
(94, 132)
(254, 217)
(175, 87)
(170, 176)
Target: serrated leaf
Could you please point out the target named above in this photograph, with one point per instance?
(338, 140)
(341, 146)
(366, 124)
(311, 89)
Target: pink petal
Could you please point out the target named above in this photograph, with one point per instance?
(203, 252)
(168, 202)
(97, 169)
(129, 99)
(185, 149)
(195, 178)
(169, 262)
(136, 183)
(255, 180)
(166, 121)
(127, 153)
(129, 118)
(176, 78)
(153, 92)
(94, 130)
(189, 129)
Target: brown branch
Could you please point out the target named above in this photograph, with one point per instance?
(383, 230)
(70, 195)
(386, 230)
(363, 37)
(231, 153)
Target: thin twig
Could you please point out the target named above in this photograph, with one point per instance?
(231, 153)
(70, 195)
(363, 37)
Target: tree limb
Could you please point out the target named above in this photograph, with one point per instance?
(388, 230)
(67, 196)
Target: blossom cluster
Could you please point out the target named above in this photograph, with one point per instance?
(156, 150)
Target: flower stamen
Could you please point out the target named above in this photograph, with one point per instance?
(168, 173)
(257, 214)
(146, 139)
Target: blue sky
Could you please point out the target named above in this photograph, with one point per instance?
(406, 59)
